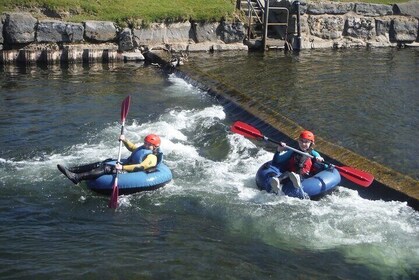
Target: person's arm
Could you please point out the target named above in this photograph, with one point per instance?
(318, 159)
(148, 162)
(129, 145)
(317, 156)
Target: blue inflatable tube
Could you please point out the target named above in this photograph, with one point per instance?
(315, 186)
(132, 182)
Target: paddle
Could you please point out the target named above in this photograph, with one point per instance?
(354, 175)
(113, 203)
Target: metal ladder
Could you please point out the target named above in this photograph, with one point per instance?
(274, 41)
(254, 11)
(259, 15)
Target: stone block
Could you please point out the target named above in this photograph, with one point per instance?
(373, 9)
(100, 31)
(404, 30)
(19, 28)
(125, 40)
(326, 27)
(205, 32)
(53, 31)
(320, 8)
(360, 27)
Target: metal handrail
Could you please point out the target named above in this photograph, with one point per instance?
(251, 11)
(266, 22)
(250, 7)
(261, 4)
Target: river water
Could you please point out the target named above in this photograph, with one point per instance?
(209, 222)
(366, 101)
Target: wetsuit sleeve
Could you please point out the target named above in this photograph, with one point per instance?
(148, 162)
(129, 145)
(317, 165)
(281, 157)
(315, 154)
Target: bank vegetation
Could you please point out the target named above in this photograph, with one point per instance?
(135, 12)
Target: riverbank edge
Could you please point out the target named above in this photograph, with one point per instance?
(388, 184)
(28, 38)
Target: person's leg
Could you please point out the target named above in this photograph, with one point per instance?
(284, 175)
(276, 186)
(295, 179)
(70, 175)
(89, 175)
(85, 168)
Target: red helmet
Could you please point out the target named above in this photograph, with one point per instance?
(153, 139)
(307, 135)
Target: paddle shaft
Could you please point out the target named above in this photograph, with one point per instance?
(120, 142)
(356, 176)
(311, 156)
(113, 203)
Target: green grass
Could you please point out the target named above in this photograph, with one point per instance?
(131, 11)
(137, 12)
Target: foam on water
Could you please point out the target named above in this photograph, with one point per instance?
(179, 87)
(225, 186)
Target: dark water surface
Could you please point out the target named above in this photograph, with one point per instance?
(210, 222)
(366, 101)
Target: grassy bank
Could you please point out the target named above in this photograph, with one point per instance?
(132, 11)
(135, 12)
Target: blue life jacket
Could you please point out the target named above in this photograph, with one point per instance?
(138, 155)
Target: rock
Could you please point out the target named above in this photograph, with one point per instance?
(200, 47)
(382, 26)
(125, 40)
(404, 30)
(320, 8)
(133, 56)
(326, 27)
(162, 34)
(229, 47)
(360, 27)
(19, 28)
(407, 9)
(205, 32)
(373, 9)
(100, 31)
(54, 31)
(231, 32)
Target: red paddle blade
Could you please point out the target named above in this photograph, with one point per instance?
(125, 107)
(357, 176)
(113, 203)
(246, 130)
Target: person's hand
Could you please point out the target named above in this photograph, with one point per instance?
(281, 147)
(319, 159)
(118, 166)
(122, 137)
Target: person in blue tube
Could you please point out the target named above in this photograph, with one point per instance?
(293, 165)
(143, 158)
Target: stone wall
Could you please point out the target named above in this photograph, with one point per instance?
(340, 25)
(25, 38)
(323, 25)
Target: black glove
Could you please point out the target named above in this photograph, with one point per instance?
(109, 169)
